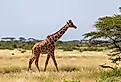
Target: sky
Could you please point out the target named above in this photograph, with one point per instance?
(39, 18)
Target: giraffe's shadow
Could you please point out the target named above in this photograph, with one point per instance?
(69, 68)
(61, 69)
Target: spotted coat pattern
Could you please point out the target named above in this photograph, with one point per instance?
(47, 46)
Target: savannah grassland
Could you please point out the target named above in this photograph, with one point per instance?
(74, 66)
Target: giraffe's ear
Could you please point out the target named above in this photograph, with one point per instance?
(67, 22)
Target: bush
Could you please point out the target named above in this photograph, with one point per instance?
(23, 51)
(81, 50)
(75, 48)
(92, 49)
(65, 46)
(67, 49)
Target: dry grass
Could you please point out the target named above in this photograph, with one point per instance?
(74, 67)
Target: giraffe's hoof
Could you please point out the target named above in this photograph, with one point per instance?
(29, 69)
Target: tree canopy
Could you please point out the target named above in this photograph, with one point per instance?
(8, 38)
(108, 28)
(120, 9)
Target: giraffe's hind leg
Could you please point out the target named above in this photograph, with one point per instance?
(36, 62)
(55, 63)
(30, 62)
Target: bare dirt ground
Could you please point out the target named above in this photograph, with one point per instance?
(73, 65)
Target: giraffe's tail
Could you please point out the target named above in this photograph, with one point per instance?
(32, 53)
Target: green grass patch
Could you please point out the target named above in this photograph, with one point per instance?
(110, 76)
(10, 69)
(92, 49)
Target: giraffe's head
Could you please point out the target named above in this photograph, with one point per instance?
(71, 24)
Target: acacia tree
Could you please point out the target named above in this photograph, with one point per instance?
(22, 39)
(8, 38)
(120, 9)
(109, 29)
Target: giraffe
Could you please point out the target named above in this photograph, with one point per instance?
(47, 46)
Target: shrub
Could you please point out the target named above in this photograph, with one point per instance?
(67, 49)
(81, 50)
(23, 51)
(92, 49)
(75, 48)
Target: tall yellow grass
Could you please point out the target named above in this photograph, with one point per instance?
(74, 67)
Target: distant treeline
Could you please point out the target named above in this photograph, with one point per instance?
(26, 44)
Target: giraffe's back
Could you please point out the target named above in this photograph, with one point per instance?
(43, 47)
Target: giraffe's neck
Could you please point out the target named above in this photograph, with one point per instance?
(57, 35)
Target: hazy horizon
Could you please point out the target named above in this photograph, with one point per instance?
(37, 19)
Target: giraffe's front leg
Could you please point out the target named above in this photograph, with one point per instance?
(55, 63)
(46, 63)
